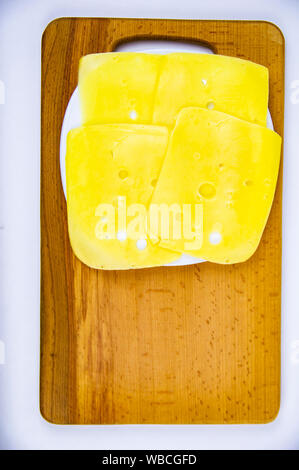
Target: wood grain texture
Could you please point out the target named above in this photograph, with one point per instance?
(193, 344)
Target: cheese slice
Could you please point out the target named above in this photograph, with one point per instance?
(228, 167)
(118, 87)
(107, 167)
(128, 87)
(228, 84)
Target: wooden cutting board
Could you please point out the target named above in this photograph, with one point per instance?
(192, 344)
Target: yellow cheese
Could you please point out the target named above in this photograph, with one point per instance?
(222, 162)
(229, 168)
(227, 84)
(149, 88)
(118, 87)
(104, 165)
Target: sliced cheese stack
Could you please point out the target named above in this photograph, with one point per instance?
(104, 165)
(229, 167)
(220, 157)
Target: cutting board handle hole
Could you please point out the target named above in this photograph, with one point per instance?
(163, 45)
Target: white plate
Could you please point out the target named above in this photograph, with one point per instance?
(72, 119)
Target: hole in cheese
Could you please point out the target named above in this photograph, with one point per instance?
(154, 182)
(141, 244)
(133, 115)
(215, 238)
(121, 236)
(204, 81)
(210, 105)
(207, 190)
(248, 183)
(123, 174)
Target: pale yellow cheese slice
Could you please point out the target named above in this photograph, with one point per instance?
(228, 84)
(118, 87)
(104, 165)
(132, 87)
(228, 167)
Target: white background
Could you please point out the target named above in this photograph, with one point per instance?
(21, 426)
